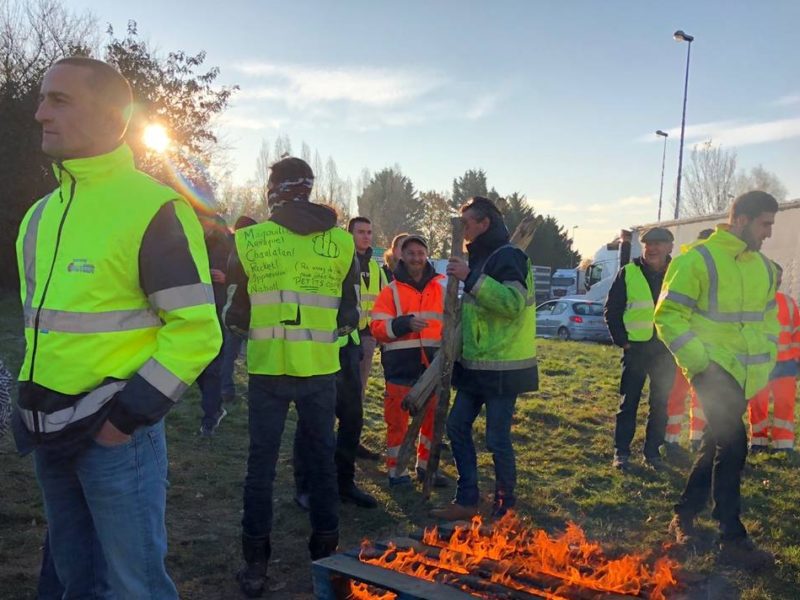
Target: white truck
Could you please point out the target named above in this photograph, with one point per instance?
(566, 282)
(783, 247)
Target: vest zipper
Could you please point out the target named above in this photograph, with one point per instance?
(61, 169)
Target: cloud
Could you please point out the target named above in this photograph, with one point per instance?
(737, 133)
(302, 84)
(358, 98)
(249, 123)
(788, 100)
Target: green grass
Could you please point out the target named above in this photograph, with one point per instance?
(563, 442)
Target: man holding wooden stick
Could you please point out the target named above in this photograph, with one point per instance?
(498, 358)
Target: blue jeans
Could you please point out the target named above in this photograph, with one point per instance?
(231, 348)
(269, 399)
(210, 384)
(105, 511)
(499, 412)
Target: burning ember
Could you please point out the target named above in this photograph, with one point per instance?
(512, 560)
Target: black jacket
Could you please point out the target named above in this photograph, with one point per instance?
(302, 218)
(510, 264)
(618, 298)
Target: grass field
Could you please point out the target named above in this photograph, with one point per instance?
(563, 441)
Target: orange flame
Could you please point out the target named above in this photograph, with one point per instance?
(526, 559)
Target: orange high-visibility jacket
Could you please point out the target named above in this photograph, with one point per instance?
(405, 354)
(789, 337)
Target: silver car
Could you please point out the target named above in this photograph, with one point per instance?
(572, 319)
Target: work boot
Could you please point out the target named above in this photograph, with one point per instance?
(363, 452)
(354, 495)
(252, 577)
(439, 480)
(744, 554)
(673, 451)
(620, 461)
(323, 543)
(654, 462)
(683, 530)
(455, 512)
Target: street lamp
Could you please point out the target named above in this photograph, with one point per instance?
(665, 135)
(680, 36)
(574, 227)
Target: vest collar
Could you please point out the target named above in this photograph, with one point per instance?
(727, 242)
(95, 167)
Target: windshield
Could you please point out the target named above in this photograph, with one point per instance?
(564, 281)
(588, 309)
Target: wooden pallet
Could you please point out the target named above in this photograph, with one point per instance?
(332, 576)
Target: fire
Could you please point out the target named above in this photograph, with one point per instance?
(516, 556)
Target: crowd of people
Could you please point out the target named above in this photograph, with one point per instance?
(123, 313)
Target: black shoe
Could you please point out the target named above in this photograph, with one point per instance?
(673, 451)
(654, 462)
(363, 452)
(252, 577)
(323, 543)
(303, 501)
(358, 497)
(439, 480)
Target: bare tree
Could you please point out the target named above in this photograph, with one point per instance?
(758, 178)
(709, 182)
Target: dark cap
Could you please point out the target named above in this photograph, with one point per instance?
(414, 238)
(657, 234)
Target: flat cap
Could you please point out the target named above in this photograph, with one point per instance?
(413, 238)
(657, 234)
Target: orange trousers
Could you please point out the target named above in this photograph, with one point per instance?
(676, 409)
(397, 425)
(783, 390)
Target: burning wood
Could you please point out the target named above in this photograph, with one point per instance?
(514, 561)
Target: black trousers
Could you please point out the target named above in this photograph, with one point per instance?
(640, 361)
(350, 414)
(717, 471)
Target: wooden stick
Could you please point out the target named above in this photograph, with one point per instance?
(450, 344)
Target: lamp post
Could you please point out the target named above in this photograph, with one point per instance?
(680, 36)
(574, 227)
(665, 135)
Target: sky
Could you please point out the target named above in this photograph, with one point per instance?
(555, 100)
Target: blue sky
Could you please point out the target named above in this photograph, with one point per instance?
(556, 100)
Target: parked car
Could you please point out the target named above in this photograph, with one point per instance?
(572, 319)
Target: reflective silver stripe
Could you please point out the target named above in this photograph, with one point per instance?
(430, 314)
(675, 420)
(639, 304)
(163, 379)
(782, 424)
(86, 406)
(288, 296)
(396, 295)
(29, 251)
(406, 344)
(672, 437)
(182, 296)
(679, 298)
(425, 441)
(757, 428)
(773, 338)
(293, 335)
(98, 322)
(631, 325)
(697, 413)
(368, 297)
(782, 444)
(499, 365)
(517, 286)
(680, 341)
(481, 280)
(390, 330)
(713, 279)
(771, 305)
(755, 359)
(696, 435)
(381, 316)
